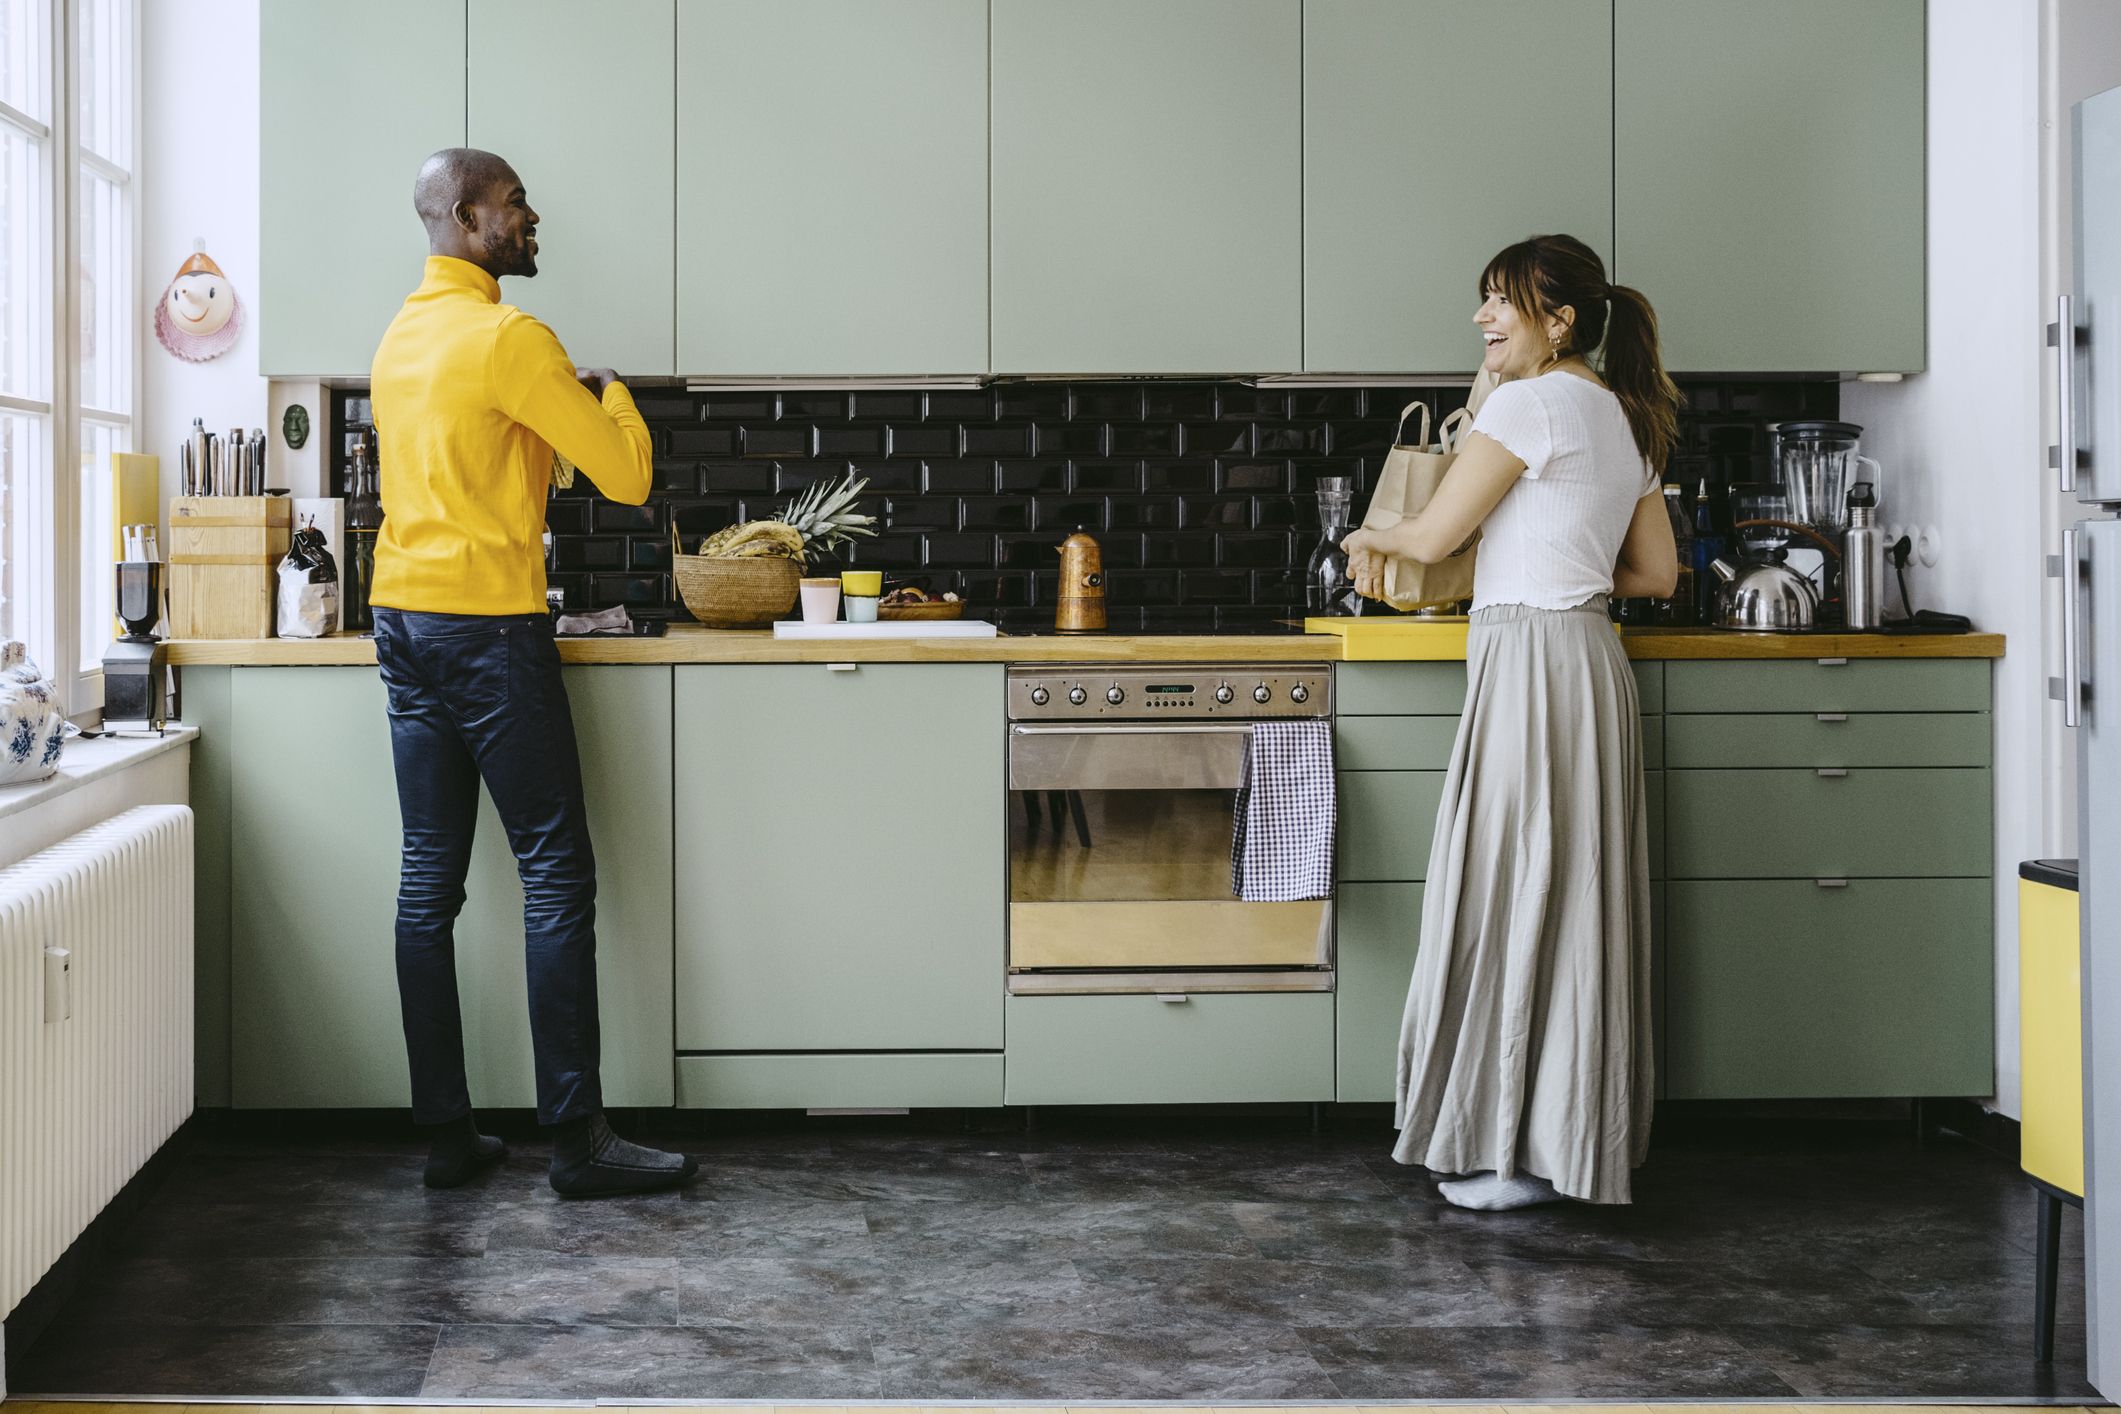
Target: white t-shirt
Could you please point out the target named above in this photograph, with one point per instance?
(1553, 540)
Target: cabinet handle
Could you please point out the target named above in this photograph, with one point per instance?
(1173, 998)
(1832, 773)
(1831, 883)
(843, 667)
(1833, 662)
(1833, 716)
(2070, 686)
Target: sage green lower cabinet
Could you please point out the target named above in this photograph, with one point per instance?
(1829, 739)
(1829, 685)
(1399, 689)
(905, 1080)
(1830, 823)
(314, 844)
(203, 702)
(1378, 933)
(842, 868)
(1387, 820)
(1778, 988)
(1208, 1048)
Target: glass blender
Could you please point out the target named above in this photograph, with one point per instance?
(1817, 464)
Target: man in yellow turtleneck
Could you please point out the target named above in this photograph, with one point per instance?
(472, 400)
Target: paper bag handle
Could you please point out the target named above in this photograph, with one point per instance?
(1399, 434)
(1454, 429)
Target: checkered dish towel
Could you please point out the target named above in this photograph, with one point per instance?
(1281, 848)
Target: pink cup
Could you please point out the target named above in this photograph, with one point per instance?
(821, 600)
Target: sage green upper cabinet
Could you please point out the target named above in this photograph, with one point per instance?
(582, 100)
(832, 187)
(352, 98)
(1427, 150)
(1148, 182)
(842, 877)
(1768, 160)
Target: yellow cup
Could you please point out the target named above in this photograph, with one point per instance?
(862, 582)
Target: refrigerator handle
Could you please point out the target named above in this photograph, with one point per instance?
(2070, 686)
(2062, 456)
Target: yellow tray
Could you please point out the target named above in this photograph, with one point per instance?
(1439, 639)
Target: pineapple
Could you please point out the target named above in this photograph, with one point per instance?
(821, 518)
(824, 514)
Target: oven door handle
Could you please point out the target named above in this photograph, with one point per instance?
(1145, 729)
(1133, 757)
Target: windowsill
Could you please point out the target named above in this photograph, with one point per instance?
(91, 760)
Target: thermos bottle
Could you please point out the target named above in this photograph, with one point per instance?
(1860, 556)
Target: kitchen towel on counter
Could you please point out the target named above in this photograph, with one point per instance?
(1281, 847)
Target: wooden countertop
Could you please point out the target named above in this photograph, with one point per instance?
(1440, 641)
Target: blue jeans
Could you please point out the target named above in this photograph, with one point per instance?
(479, 697)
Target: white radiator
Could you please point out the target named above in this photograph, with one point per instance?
(86, 1098)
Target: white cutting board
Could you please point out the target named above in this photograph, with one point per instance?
(897, 628)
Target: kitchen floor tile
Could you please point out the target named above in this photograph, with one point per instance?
(1149, 1364)
(1175, 1229)
(600, 1362)
(260, 1362)
(1535, 1362)
(1922, 1362)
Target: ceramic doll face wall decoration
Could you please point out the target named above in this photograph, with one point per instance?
(198, 317)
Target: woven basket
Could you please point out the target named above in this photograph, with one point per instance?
(747, 593)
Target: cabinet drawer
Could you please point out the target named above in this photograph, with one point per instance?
(794, 1082)
(1399, 689)
(1424, 743)
(1394, 743)
(1828, 739)
(1386, 821)
(1649, 686)
(1799, 824)
(1129, 1050)
(1784, 989)
(1856, 685)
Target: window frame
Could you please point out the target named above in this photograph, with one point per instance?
(84, 676)
(58, 582)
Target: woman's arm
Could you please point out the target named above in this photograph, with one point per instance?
(1473, 487)
(1649, 560)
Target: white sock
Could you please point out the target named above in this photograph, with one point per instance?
(1490, 1193)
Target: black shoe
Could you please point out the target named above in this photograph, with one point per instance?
(458, 1152)
(589, 1161)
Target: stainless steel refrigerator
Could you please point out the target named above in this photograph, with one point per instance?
(2087, 334)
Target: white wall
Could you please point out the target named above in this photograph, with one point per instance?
(1962, 443)
(199, 180)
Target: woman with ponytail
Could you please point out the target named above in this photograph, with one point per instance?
(1525, 1058)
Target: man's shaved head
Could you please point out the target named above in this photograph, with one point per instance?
(475, 209)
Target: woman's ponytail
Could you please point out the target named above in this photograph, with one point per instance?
(1634, 370)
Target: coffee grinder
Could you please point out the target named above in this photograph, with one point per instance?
(136, 667)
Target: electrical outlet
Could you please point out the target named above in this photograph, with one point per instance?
(1928, 544)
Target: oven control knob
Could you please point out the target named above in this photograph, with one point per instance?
(1115, 694)
(1262, 693)
(1077, 696)
(1224, 695)
(1040, 697)
(1299, 693)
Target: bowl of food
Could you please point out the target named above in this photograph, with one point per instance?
(910, 602)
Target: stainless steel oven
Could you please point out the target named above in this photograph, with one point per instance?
(1123, 784)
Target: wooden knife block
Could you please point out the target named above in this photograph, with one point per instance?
(224, 557)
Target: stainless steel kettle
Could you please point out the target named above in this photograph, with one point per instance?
(1764, 595)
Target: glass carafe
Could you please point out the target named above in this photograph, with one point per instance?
(1328, 588)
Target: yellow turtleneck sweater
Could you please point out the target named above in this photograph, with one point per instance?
(471, 398)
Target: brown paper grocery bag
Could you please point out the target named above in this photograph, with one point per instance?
(1412, 472)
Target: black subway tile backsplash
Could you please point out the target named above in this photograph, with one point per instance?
(1201, 494)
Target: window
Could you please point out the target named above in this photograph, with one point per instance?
(69, 347)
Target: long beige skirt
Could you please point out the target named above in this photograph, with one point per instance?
(1526, 1046)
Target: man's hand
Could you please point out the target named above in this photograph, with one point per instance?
(596, 380)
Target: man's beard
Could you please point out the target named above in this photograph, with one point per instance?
(510, 255)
